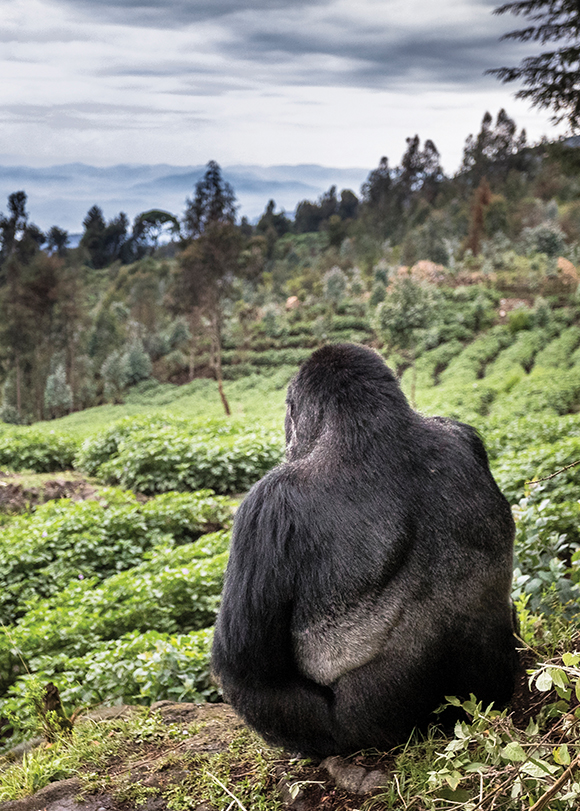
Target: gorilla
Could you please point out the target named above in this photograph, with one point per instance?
(370, 573)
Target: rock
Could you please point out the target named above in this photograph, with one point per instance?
(290, 797)
(373, 781)
(54, 797)
(20, 749)
(110, 713)
(354, 779)
(345, 775)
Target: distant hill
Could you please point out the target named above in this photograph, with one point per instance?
(62, 195)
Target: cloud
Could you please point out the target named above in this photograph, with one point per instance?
(177, 13)
(89, 116)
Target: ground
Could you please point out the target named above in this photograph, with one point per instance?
(180, 756)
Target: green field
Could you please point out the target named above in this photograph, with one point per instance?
(113, 598)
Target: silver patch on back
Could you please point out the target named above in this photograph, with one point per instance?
(335, 645)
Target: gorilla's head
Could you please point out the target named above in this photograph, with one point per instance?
(341, 391)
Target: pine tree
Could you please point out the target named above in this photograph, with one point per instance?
(551, 79)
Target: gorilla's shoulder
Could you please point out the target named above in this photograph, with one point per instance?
(276, 495)
(462, 433)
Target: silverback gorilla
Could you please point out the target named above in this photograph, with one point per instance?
(370, 573)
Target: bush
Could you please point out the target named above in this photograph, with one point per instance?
(98, 449)
(171, 591)
(155, 455)
(29, 449)
(155, 462)
(58, 396)
(138, 668)
(64, 541)
(137, 363)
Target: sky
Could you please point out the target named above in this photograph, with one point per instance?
(263, 82)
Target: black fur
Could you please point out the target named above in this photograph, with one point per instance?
(370, 574)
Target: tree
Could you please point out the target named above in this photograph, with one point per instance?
(58, 397)
(405, 311)
(272, 226)
(482, 199)
(348, 206)
(207, 265)
(214, 201)
(57, 241)
(494, 151)
(377, 198)
(105, 242)
(552, 78)
(18, 236)
(150, 225)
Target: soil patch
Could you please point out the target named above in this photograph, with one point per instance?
(17, 496)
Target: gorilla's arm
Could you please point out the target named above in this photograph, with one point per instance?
(253, 650)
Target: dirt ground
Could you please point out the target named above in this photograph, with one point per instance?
(19, 492)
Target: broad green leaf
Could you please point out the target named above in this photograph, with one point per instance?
(514, 751)
(544, 681)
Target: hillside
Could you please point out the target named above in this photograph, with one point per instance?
(121, 467)
(120, 591)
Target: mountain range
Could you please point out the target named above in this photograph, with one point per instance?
(61, 195)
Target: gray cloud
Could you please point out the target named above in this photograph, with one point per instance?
(377, 57)
(88, 116)
(177, 13)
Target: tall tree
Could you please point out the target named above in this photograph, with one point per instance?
(17, 235)
(149, 226)
(207, 265)
(214, 201)
(377, 199)
(496, 149)
(105, 242)
(481, 201)
(551, 79)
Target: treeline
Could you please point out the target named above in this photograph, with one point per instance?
(165, 295)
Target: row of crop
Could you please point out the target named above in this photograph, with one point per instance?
(119, 597)
(502, 372)
(151, 455)
(170, 591)
(66, 541)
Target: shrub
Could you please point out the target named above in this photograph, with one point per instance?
(168, 593)
(154, 455)
(138, 668)
(65, 540)
(58, 395)
(165, 459)
(24, 448)
(137, 363)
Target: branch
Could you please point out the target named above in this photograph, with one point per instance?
(545, 798)
(557, 473)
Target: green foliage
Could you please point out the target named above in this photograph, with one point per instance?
(31, 449)
(137, 363)
(58, 395)
(547, 540)
(152, 456)
(171, 591)
(137, 668)
(65, 541)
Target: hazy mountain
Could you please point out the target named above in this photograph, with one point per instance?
(62, 195)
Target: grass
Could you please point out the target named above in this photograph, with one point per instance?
(257, 398)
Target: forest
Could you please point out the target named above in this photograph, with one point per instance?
(143, 383)
(170, 299)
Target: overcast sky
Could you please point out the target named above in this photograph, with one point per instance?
(333, 82)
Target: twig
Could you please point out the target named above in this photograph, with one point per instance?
(545, 798)
(233, 796)
(551, 476)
